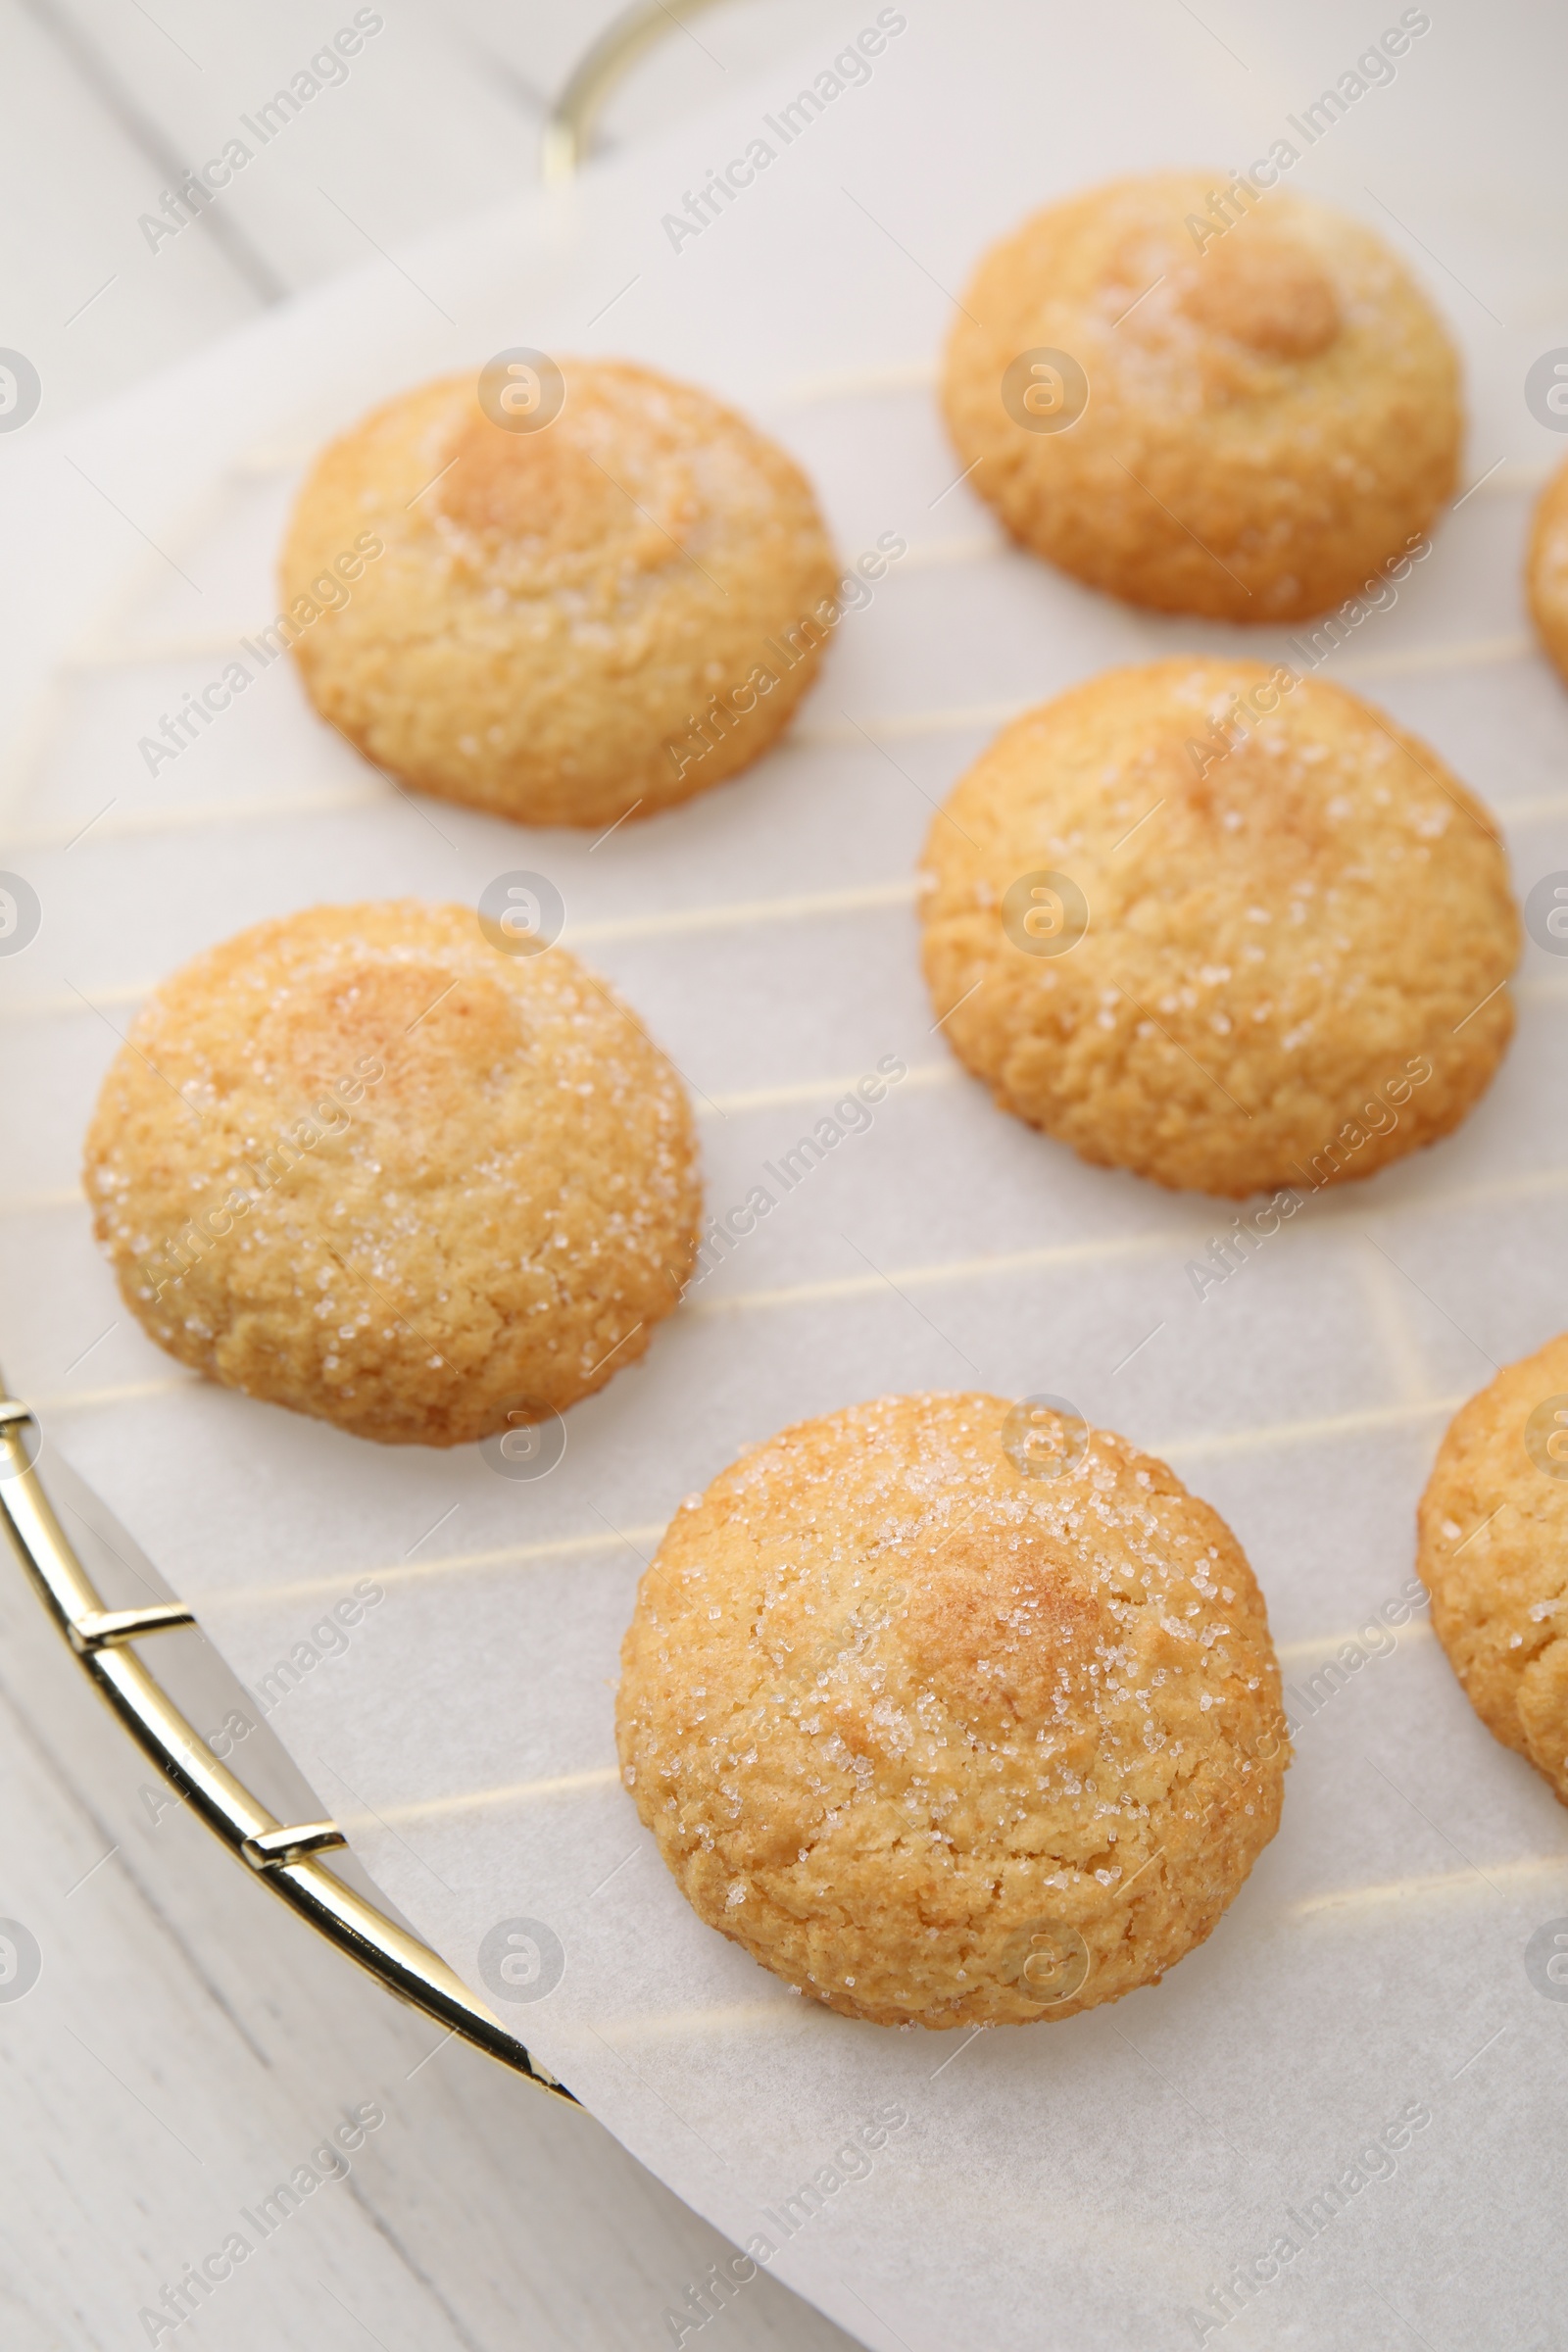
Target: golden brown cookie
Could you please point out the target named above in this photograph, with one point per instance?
(953, 1711)
(1493, 1554)
(1243, 409)
(563, 624)
(1547, 569)
(358, 1162)
(1227, 928)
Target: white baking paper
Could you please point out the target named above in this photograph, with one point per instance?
(1093, 2183)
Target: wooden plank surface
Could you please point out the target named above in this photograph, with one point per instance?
(106, 104)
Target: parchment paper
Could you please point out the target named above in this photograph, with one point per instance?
(1095, 2183)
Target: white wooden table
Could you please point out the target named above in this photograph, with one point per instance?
(188, 2043)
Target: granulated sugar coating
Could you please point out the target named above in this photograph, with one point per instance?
(1285, 961)
(358, 1162)
(568, 625)
(1272, 407)
(944, 1743)
(1493, 1554)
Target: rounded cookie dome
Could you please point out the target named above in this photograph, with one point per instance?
(605, 613)
(1244, 420)
(1493, 1554)
(1226, 927)
(950, 1715)
(358, 1162)
(1546, 569)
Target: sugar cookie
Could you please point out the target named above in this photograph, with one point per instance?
(1227, 928)
(565, 624)
(1547, 569)
(954, 1712)
(359, 1163)
(1243, 419)
(1493, 1554)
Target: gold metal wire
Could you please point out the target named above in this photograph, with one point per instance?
(283, 1854)
(569, 124)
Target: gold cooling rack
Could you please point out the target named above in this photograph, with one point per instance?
(285, 1855)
